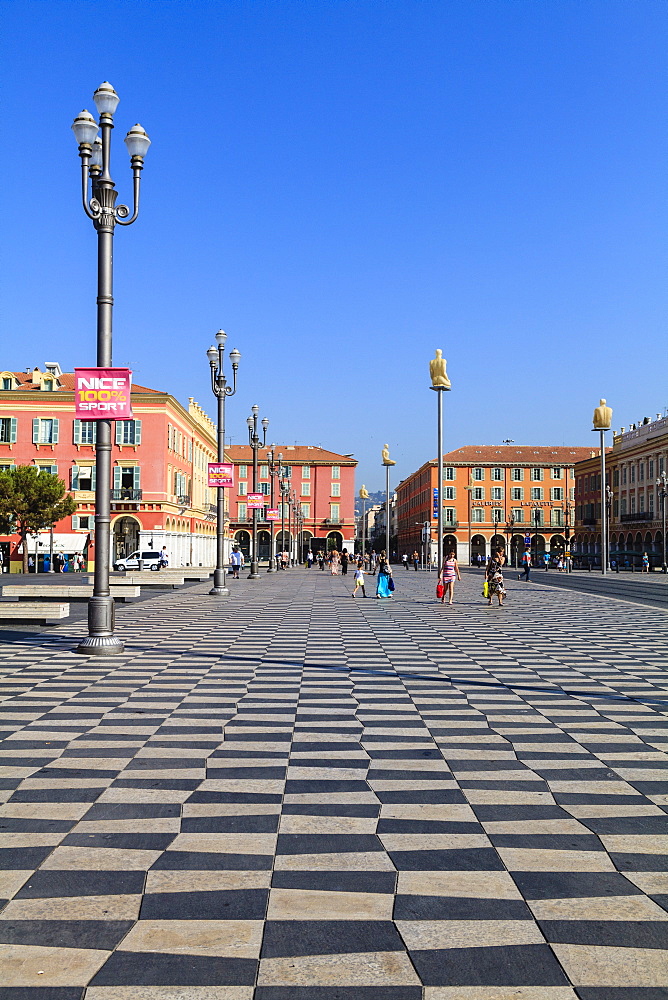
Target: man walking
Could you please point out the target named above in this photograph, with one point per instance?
(344, 563)
(526, 564)
(236, 561)
(416, 560)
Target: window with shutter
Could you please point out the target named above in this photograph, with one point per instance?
(137, 478)
(117, 477)
(74, 477)
(35, 431)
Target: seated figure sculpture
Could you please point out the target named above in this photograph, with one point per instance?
(439, 376)
(602, 417)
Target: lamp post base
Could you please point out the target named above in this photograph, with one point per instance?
(220, 591)
(253, 575)
(100, 645)
(272, 566)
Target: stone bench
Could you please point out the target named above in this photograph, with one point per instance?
(148, 579)
(24, 611)
(48, 592)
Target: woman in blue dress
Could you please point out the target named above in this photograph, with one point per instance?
(384, 577)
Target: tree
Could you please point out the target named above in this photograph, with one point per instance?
(31, 500)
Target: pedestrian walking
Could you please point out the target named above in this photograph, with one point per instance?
(385, 583)
(645, 563)
(31, 564)
(334, 562)
(416, 560)
(372, 562)
(321, 560)
(546, 560)
(404, 560)
(449, 572)
(494, 577)
(285, 559)
(526, 564)
(309, 559)
(344, 562)
(163, 558)
(236, 561)
(359, 579)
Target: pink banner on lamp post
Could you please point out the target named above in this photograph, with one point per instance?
(102, 393)
(221, 474)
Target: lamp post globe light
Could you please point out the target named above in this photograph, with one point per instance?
(256, 444)
(221, 391)
(662, 489)
(99, 204)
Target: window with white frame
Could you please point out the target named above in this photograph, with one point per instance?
(497, 515)
(336, 489)
(84, 431)
(449, 515)
(85, 522)
(478, 493)
(8, 429)
(51, 470)
(265, 489)
(286, 472)
(306, 471)
(650, 468)
(650, 501)
(336, 472)
(537, 517)
(45, 430)
(517, 475)
(536, 492)
(478, 475)
(571, 493)
(334, 511)
(518, 515)
(497, 475)
(243, 489)
(622, 506)
(633, 504)
(497, 492)
(517, 493)
(243, 472)
(128, 432)
(537, 475)
(477, 515)
(449, 493)
(557, 493)
(306, 510)
(264, 472)
(241, 511)
(306, 489)
(556, 517)
(449, 473)
(82, 477)
(633, 473)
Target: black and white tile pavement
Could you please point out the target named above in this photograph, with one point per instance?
(292, 795)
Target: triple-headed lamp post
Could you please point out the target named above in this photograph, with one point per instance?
(256, 444)
(99, 204)
(221, 390)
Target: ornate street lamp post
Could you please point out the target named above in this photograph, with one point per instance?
(388, 463)
(285, 490)
(567, 535)
(221, 391)
(101, 208)
(510, 525)
(256, 444)
(662, 488)
(274, 470)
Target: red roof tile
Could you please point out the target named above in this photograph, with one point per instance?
(299, 454)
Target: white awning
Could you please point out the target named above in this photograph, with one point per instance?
(62, 542)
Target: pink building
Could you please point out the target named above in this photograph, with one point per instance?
(159, 493)
(323, 483)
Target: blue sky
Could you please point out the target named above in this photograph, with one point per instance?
(344, 187)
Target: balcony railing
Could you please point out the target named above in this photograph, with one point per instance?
(639, 515)
(213, 508)
(125, 493)
(184, 500)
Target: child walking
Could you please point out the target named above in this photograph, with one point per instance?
(359, 579)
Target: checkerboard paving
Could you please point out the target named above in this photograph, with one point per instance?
(291, 795)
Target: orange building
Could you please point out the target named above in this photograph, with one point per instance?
(323, 485)
(159, 493)
(491, 494)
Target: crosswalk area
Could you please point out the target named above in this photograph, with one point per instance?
(292, 795)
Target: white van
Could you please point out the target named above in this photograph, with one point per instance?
(151, 561)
